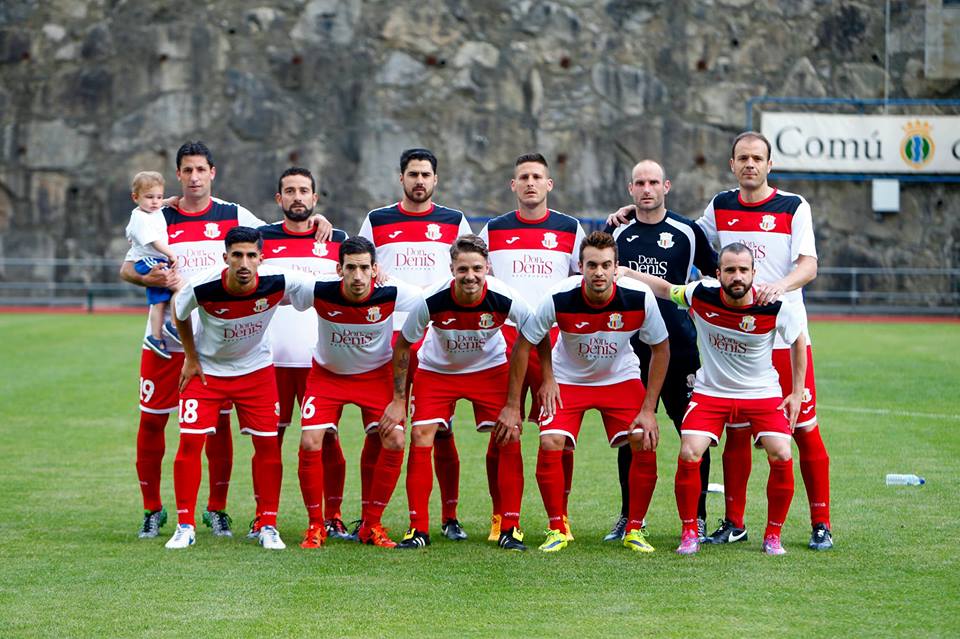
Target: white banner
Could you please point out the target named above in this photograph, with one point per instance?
(819, 142)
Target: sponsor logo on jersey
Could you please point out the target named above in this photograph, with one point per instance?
(632, 238)
(449, 321)
(649, 265)
(279, 249)
(733, 221)
(615, 322)
(512, 239)
(261, 305)
(807, 395)
(334, 313)
(597, 348)
(242, 330)
(916, 148)
(320, 249)
(464, 343)
(212, 230)
(174, 236)
(350, 338)
(221, 311)
(768, 223)
(727, 345)
(550, 240)
(665, 241)
(394, 235)
(748, 323)
(581, 324)
(373, 314)
(433, 232)
(711, 315)
(415, 258)
(532, 265)
(486, 320)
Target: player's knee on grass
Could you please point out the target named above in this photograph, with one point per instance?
(394, 441)
(424, 434)
(553, 442)
(778, 448)
(312, 439)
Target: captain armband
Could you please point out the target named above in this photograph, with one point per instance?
(678, 295)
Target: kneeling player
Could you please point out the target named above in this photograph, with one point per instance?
(230, 360)
(737, 383)
(351, 365)
(463, 357)
(595, 368)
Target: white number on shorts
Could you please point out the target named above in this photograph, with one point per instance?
(307, 409)
(188, 411)
(146, 390)
(690, 407)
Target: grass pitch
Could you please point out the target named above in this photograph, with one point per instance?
(71, 565)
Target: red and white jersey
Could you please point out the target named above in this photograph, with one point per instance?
(464, 339)
(293, 333)
(143, 229)
(736, 343)
(355, 337)
(533, 256)
(594, 344)
(231, 338)
(414, 247)
(778, 230)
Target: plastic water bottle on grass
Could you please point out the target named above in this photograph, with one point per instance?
(893, 479)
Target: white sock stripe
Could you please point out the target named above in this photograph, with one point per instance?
(158, 411)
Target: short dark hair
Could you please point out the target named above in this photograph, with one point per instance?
(194, 148)
(357, 245)
(468, 243)
(531, 157)
(296, 170)
(417, 154)
(737, 248)
(756, 135)
(242, 234)
(600, 240)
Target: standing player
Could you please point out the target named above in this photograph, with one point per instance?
(738, 383)
(462, 357)
(413, 240)
(777, 226)
(662, 243)
(595, 368)
(291, 244)
(351, 365)
(196, 227)
(229, 360)
(531, 250)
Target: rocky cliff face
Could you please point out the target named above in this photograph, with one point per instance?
(91, 92)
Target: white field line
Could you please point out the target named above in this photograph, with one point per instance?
(887, 411)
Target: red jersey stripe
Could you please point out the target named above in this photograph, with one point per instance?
(742, 321)
(247, 307)
(293, 247)
(415, 231)
(618, 321)
(343, 314)
(200, 231)
(756, 221)
(531, 239)
(450, 320)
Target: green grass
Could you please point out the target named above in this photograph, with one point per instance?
(70, 563)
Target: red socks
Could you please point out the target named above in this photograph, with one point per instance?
(567, 476)
(550, 478)
(334, 475)
(385, 479)
(311, 476)
(737, 458)
(448, 474)
(815, 469)
(186, 476)
(150, 449)
(687, 490)
(220, 463)
(493, 474)
(643, 479)
(368, 464)
(419, 485)
(779, 495)
(267, 477)
(510, 483)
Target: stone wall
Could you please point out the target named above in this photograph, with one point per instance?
(93, 91)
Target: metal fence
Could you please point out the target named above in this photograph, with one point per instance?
(93, 283)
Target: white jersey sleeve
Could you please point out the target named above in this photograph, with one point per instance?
(575, 254)
(186, 301)
(801, 233)
(299, 293)
(708, 224)
(417, 321)
(409, 297)
(653, 330)
(465, 227)
(791, 322)
(520, 311)
(366, 229)
(538, 323)
(246, 218)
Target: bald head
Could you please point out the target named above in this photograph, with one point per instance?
(648, 187)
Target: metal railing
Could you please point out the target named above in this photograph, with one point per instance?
(93, 283)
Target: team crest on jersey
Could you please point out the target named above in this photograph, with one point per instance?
(665, 241)
(748, 323)
(486, 320)
(261, 305)
(550, 240)
(373, 314)
(807, 395)
(212, 230)
(615, 322)
(320, 249)
(768, 223)
(433, 232)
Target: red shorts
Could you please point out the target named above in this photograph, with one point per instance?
(706, 416)
(327, 393)
(291, 386)
(254, 395)
(435, 395)
(534, 377)
(618, 405)
(808, 409)
(159, 379)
